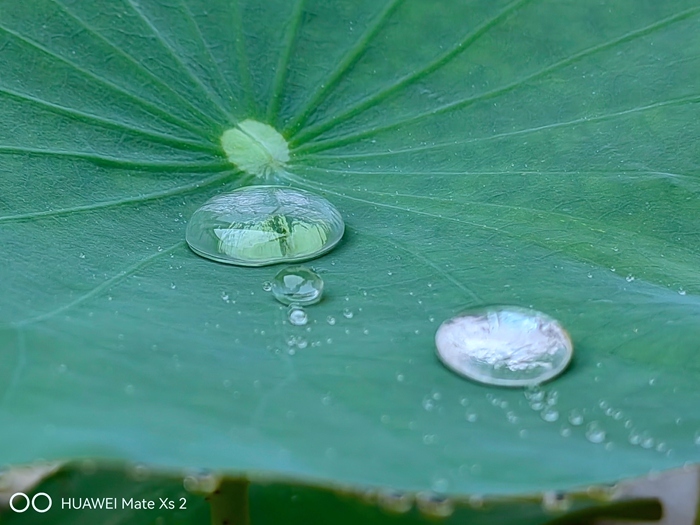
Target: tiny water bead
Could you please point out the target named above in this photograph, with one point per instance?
(297, 284)
(504, 345)
(262, 225)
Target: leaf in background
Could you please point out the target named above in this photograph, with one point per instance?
(536, 153)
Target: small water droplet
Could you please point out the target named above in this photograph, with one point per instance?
(172, 286)
(225, 297)
(82, 255)
(440, 485)
(394, 501)
(301, 343)
(297, 284)
(629, 278)
(297, 315)
(261, 225)
(400, 377)
(508, 346)
(565, 432)
(681, 291)
(434, 505)
(595, 433)
(646, 440)
(267, 286)
(575, 418)
(347, 313)
(555, 501)
(471, 417)
(330, 320)
(696, 440)
(549, 414)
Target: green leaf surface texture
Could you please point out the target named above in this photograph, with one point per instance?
(537, 153)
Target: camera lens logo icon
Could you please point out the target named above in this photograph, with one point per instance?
(40, 502)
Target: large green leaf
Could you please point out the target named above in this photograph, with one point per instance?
(538, 153)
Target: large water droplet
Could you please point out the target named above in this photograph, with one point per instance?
(297, 284)
(504, 345)
(261, 225)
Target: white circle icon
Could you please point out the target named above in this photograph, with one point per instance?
(48, 500)
(12, 501)
(30, 502)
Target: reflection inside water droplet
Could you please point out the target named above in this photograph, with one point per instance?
(297, 284)
(297, 315)
(505, 345)
(260, 225)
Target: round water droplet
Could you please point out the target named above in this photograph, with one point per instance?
(434, 505)
(393, 501)
(504, 345)
(575, 417)
(594, 433)
(267, 286)
(261, 225)
(549, 414)
(297, 315)
(347, 313)
(555, 501)
(297, 284)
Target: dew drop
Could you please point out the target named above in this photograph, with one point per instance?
(330, 320)
(507, 346)
(297, 315)
(471, 417)
(393, 501)
(347, 313)
(261, 225)
(434, 505)
(297, 284)
(554, 501)
(549, 414)
(267, 286)
(594, 433)
(697, 438)
(575, 418)
(629, 278)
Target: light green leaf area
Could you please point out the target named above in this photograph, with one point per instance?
(537, 153)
